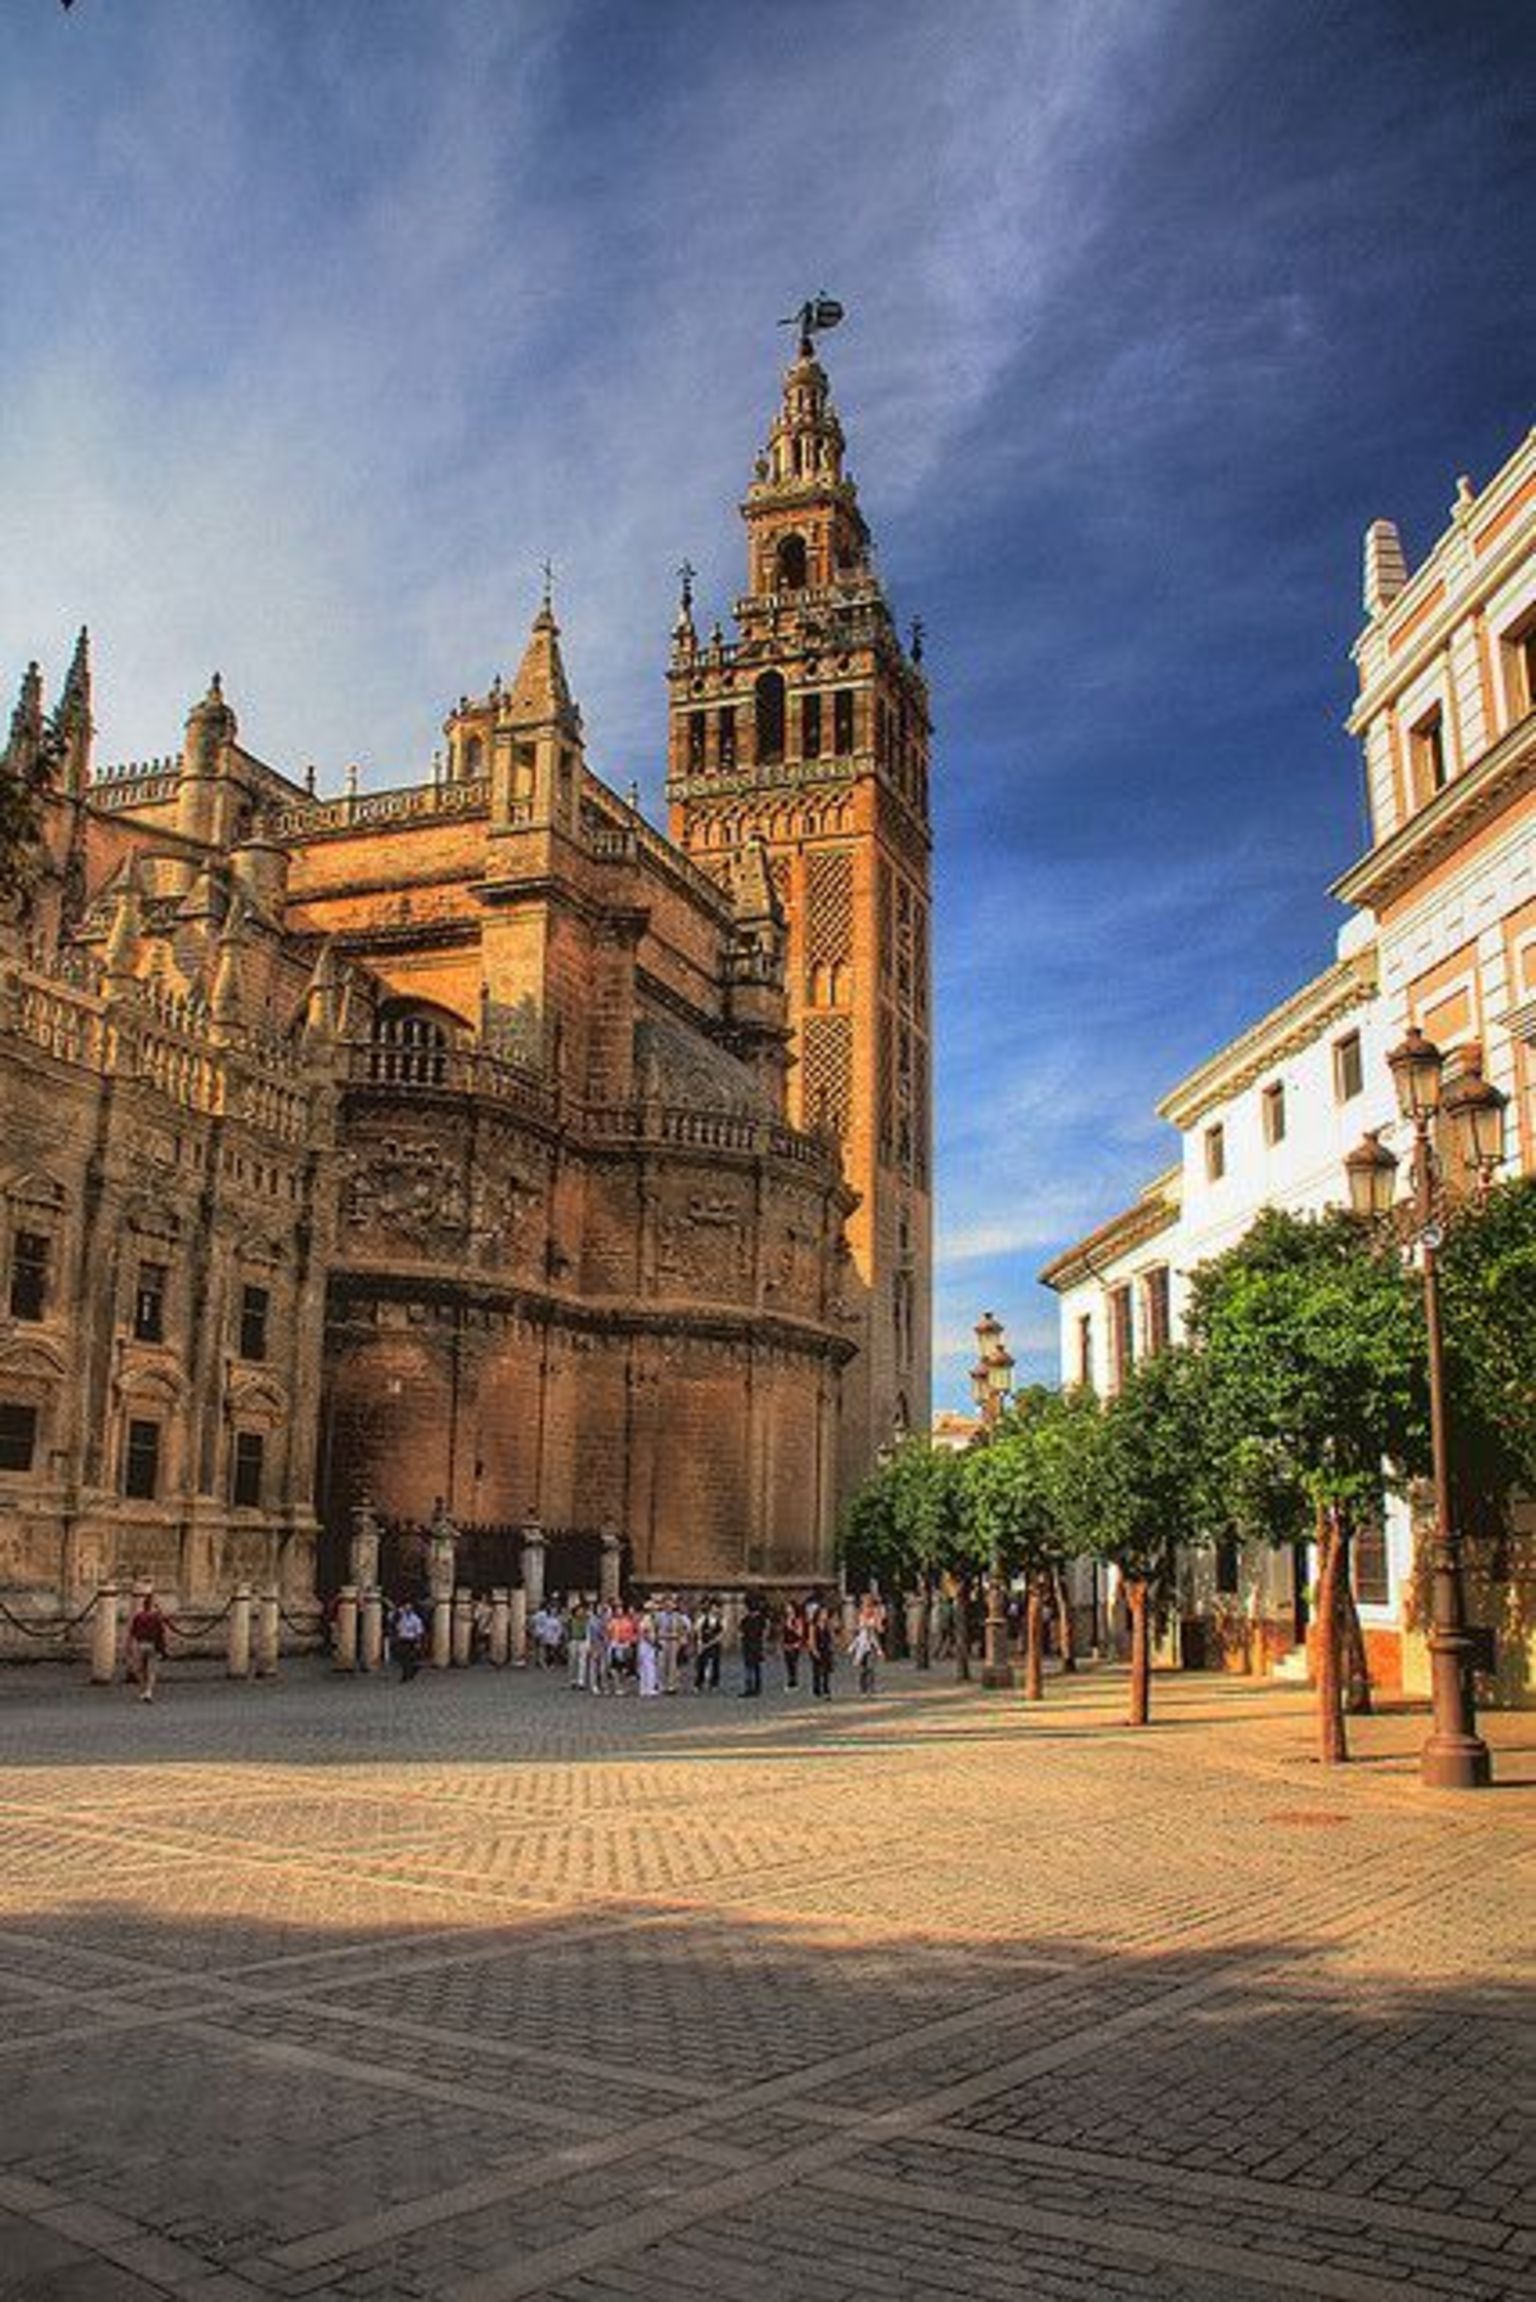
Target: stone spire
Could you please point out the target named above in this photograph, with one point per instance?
(685, 638)
(540, 695)
(73, 719)
(25, 748)
(1386, 570)
(226, 1003)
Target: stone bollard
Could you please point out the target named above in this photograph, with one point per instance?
(370, 1655)
(519, 1627)
(104, 1637)
(238, 1665)
(501, 1626)
(344, 1657)
(268, 1635)
(533, 1566)
(463, 1628)
(611, 1569)
(442, 1633)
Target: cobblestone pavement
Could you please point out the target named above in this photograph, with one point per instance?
(481, 1988)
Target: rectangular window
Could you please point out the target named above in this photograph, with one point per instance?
(141, 1462)
(1122, 1335)
(1215, 1153)
(1348, 1068)
(1426, 755)
(810, 727)
(245, 1471)
(29, 1275)
(696, 740)
(1520, 669)
(1085, 1349)
(842, 722)
(18, 1435)
(255, 1302)
(1274, 1113)
(1157, 1300)
(149, 1303)
(1373, 1579)
(726, 731)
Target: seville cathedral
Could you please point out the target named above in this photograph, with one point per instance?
(470, 1149)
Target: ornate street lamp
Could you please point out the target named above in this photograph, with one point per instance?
(1471, 1112)
(991, 1383)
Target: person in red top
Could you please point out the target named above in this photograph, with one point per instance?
(146, 1646)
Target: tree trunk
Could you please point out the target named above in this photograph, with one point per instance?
(1357, 1670)
(1333, 1744)
(1034, 1642)
(962, 1630)
(923, 1656)
(1067, 1633)
(1141, 1652)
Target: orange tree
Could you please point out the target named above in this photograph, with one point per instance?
(1313, 1363)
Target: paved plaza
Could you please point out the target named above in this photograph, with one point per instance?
(482, 1988)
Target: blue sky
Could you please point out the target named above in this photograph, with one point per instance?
(323, 321)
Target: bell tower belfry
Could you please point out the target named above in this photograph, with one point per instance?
(809, 731)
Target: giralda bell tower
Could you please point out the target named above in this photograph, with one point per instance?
(809, 732)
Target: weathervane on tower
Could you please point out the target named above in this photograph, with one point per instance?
(815, 316)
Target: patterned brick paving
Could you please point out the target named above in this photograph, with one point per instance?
(482, 1989)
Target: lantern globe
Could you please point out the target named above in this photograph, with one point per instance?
(1372, 1172)
(1416, 1067)
(1474, 1115)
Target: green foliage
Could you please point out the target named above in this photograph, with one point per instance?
(908, 1519)
(1024, 1489)
(1488, 1305)
(1150, 1484)
(1313, 1349)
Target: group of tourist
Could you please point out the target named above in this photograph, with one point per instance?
(657, 1646)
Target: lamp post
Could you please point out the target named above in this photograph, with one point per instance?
(1471, 1112)
(991, 1382)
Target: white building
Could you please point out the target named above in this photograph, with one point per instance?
(1442, 935)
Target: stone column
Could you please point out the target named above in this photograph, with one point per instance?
(533, 1565)
(463, 1627)
(917, 1607)
(611, 1569)
(238, 1665)
(501, 1626)
(519, 1627)
(104, 1637)
(268, 1634)
(440, 1580)
(344, 1658)
(363, 1550)
(371, 1652)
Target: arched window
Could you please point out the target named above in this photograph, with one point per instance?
(790, 570)
(473, 757)
(769, 695)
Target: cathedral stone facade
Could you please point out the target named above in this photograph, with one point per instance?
(472, 1148)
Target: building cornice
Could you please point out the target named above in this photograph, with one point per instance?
(1502, 776)
(1416, 615)
(1157, 1210)
(1286, 1028)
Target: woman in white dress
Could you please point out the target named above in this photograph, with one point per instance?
(647, 1655)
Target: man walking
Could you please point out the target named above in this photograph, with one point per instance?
(754, 1632)
(146, 1646)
